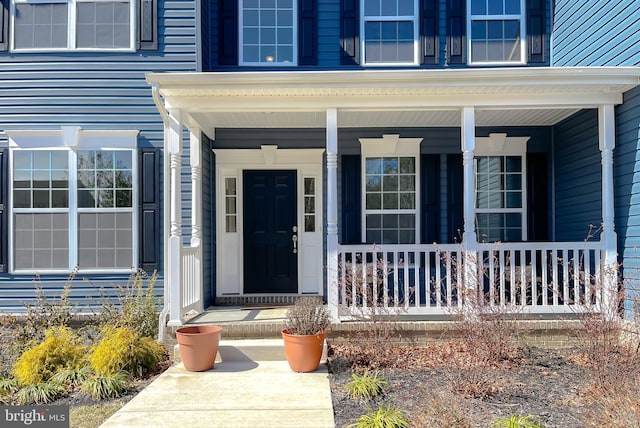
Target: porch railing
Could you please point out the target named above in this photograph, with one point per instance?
(191, 280)
(555, 277)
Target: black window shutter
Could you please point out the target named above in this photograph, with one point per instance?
(148, 25)
(430, 198)
(349, 32)
(536, 31)
(228, 32)
(4, 25)
(455, 198)
(150, 227)
(537, 197)
(456, 31)
(429, 31)
(351, 205)
(307, 32)
(4, 216)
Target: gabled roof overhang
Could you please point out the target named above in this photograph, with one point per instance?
(501, 96)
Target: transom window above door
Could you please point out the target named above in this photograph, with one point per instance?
(390, 29)
(72, 24)
(497, 31)
(268, 32)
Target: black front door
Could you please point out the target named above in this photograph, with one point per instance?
(270, 253)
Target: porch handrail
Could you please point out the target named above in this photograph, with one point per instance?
(541, 277)
(191, 266)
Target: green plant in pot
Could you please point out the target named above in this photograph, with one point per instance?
(305, 330)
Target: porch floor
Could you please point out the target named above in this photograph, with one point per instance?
(246, 321)
(267, 322)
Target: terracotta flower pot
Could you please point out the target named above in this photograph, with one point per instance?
(198, 346)
(303, 352)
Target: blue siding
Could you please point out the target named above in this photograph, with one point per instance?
(578, 172)
(328, 25)
(208, 221)
(627, 187)
(94, 90)
(596, 33)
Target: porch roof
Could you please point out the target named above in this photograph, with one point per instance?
(525, 96)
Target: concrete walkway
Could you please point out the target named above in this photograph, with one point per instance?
(250, 385)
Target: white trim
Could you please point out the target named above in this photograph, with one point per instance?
(230, 163)
(522, 17)
(266, 63)
(69, 136)
(70, 139)
(72, 26)
(390, 145)
(389, 18)
(498, 144)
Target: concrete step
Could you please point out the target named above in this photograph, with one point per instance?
(243, 350)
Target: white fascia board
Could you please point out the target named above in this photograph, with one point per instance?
(314, 91)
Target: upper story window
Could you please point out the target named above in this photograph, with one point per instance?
(72, 24)
(390, 29)
(268, 32)
(497, 31)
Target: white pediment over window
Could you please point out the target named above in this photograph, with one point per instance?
(390, 145)
(500, 144)
(73, 137)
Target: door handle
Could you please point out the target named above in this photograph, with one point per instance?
(294, 238)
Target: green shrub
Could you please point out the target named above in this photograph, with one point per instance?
(137, 306)
(103, 386)
(384, 417)
(40, 393)
(366, 386)
(73, 376)
(516, 421)
(122, 348)
(8, 386)
(61, 349)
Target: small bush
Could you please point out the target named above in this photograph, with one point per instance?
(137, 306)
(73, 377)
(61, 349)
(384, 417)
(516, 421)
(40, 393)
(8, 386)
(123, 348)
(103, 386)
(365, 386)
(307, 316)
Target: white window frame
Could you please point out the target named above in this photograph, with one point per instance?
(406, 18)
(523, 34)
(499, 145)
(267, 62)
(71, 27)
(72, 139)
(390, 145)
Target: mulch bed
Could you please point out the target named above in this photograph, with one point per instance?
(547, 383)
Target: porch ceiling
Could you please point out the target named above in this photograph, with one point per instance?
(398, 98)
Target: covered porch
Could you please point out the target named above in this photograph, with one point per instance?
(420, 278)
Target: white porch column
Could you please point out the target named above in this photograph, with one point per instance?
(607, 142)
(195, 160)
(195, 156)
(332, 212)
(469, 239)
(175, 235)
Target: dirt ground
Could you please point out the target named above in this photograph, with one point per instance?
(546, 383)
